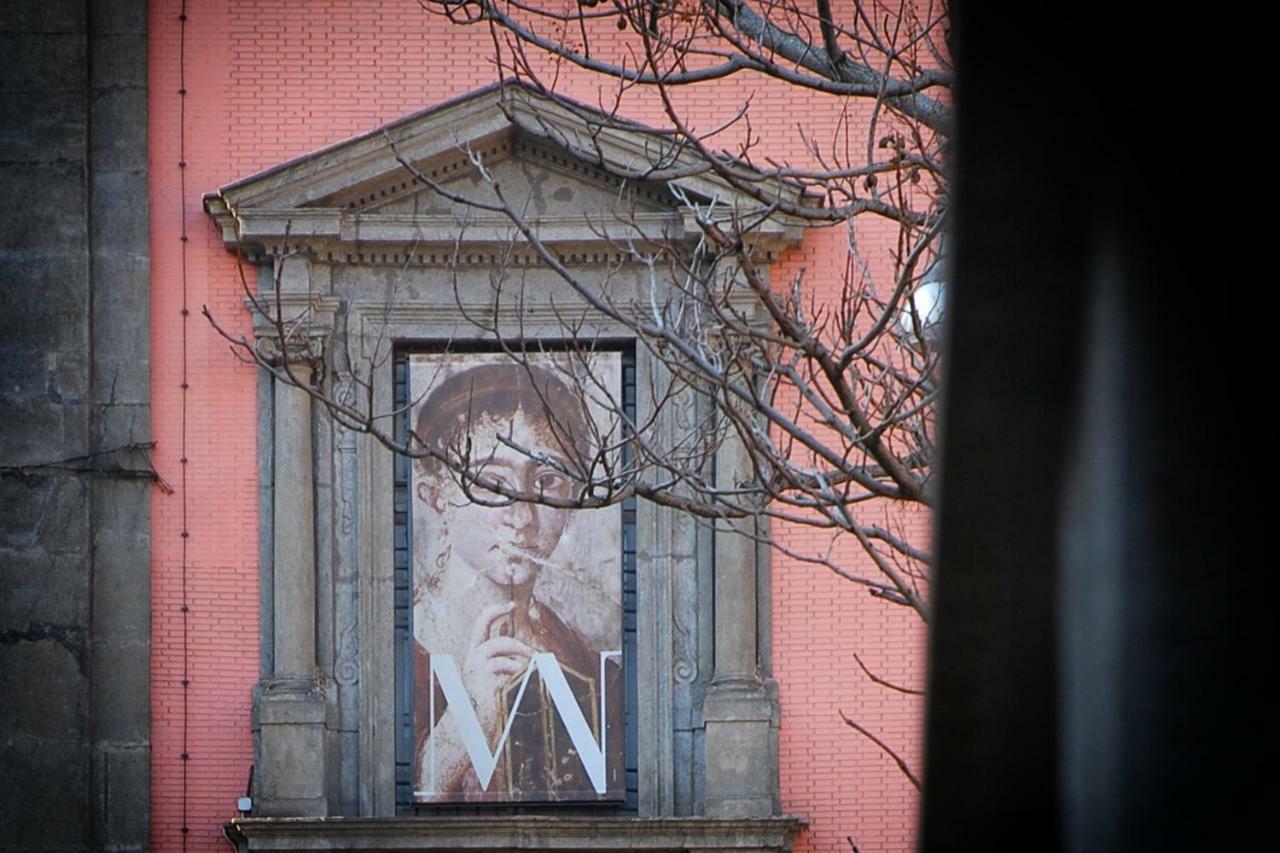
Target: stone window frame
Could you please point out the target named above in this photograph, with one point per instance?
(326, 698)
(354, 525)
(662, 536)
(627, 567)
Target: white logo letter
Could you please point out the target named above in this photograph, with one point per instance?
(462, 711)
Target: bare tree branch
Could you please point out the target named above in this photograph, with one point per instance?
(885, 748)
(910, 691)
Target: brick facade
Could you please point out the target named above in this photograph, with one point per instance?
(268, 82)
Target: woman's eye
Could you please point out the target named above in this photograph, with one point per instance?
(487, 487)
(551, 483)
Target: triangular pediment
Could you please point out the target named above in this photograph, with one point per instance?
(573, 173)
(538, 179)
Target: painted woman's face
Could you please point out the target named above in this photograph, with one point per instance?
(507, 544)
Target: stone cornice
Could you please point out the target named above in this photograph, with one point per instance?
(333, 196)
(622, 147)
(523, 832)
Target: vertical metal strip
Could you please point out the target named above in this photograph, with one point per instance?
(184, 608)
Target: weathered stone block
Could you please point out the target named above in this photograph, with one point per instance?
(75, 426)
(289, 751)
(121, 691)
(119, 422)
(290, 769)
(48, 514)
(741, 750)
(56, 225)
(119, 60)
(122, 585)
(121, 298)
(277, 711)
(40, 363)
(110, 17)
(43, 667)
(40, 587)
(43, 424)
(47, 16)
(123, 795)
(42, 311)
(42, 127)
(111, 191)
(119, 139)
(67, 379)
(122, 286)
(43, 807)
(121, 425)
(49, 798)
(22, 371)
(43, 62)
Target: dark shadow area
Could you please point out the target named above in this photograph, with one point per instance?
(1093, 677)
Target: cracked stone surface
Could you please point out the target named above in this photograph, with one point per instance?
(74, 382)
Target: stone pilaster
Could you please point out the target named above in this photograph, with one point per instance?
(289, 706)
(740, 711)
(294, 545)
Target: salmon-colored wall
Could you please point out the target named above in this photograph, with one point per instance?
(268, 80)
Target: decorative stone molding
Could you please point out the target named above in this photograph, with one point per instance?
(336, 197)
(527, 832)
(290, 705)
(740, 711)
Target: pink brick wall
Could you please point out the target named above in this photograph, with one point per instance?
(220, 518)
(267, 81)
(846, 787)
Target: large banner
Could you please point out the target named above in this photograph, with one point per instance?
(517, 614)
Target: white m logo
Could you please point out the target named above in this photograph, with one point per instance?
(463, 713)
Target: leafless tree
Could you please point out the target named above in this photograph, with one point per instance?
(830, 397)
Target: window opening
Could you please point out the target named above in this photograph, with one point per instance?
(409, 669)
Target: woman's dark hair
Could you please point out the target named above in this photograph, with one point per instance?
(499, 390)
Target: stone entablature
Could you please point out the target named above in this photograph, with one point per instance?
(357, 258)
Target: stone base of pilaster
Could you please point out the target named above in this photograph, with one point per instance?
(741, 717)
(289, 746)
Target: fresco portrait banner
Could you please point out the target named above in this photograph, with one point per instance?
(517, 607)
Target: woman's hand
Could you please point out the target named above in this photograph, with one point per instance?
(492, 661)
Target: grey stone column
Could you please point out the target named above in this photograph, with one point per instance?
(294, 544)
(290, 705)
(740, 711)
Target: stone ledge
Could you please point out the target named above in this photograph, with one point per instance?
(526, 832)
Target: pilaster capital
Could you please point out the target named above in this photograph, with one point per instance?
(298, 326)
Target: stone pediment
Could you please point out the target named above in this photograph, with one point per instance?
(573, 173)
(539, 180)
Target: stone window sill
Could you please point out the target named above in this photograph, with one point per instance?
(528, 832)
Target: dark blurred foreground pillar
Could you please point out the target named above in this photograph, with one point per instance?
(1093, 675)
